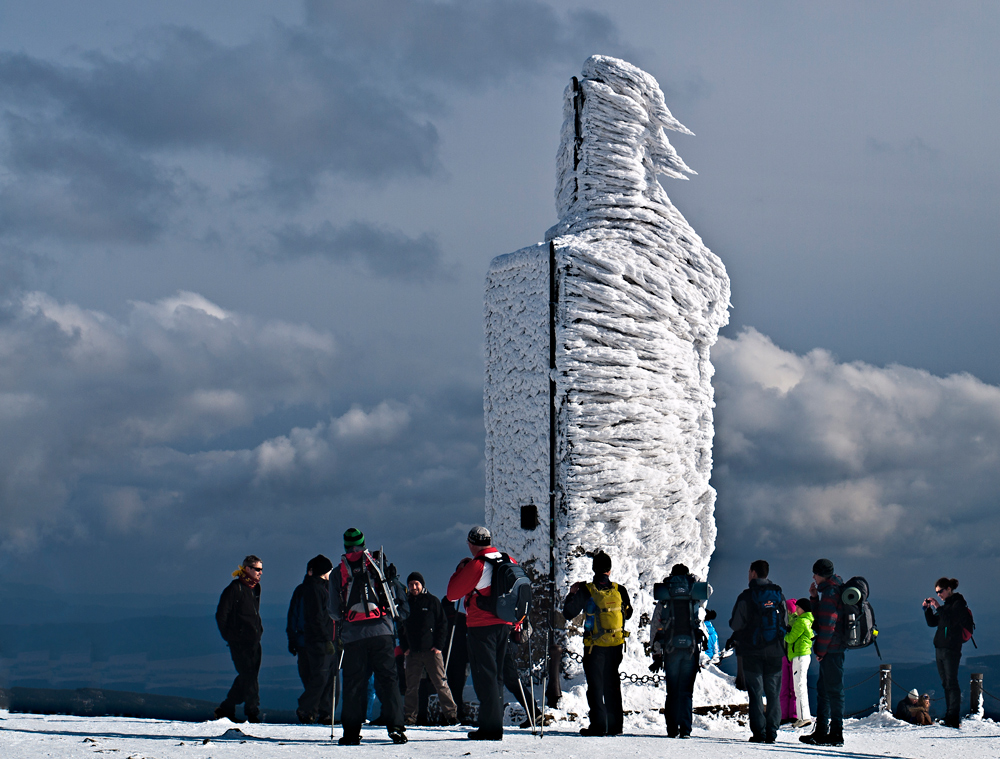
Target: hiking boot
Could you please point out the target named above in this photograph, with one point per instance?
(834, 738)
(799, 723)
(350, 740)
(304, 717)
(756, 739)
(254, 717)
(397, 735)
(222, 713)
(591, 731)
(816, 738)
(486, 735)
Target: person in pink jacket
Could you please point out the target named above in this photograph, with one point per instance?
(788, 705)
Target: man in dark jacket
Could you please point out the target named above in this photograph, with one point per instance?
(947, 613)
(824, 594)
(360, 608)
(310, 637)
(606, 605)
(759, 624)
(238, 618)
(423, 638)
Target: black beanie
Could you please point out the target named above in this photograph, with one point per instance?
(416, 576)
(354, 538)
(602, 563)
(319, 565)
(823, 568)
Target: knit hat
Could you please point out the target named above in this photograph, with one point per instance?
(602, 563)
(319, 565)
(480, 536)
(913, 694)
(416, 576)
(823, 568)
(354, 538)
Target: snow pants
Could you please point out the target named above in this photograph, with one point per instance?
(788, 697)
(800, 682)
(317, 676)
(487, 649)
(363, 659)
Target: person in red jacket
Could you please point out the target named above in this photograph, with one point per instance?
(487, 634)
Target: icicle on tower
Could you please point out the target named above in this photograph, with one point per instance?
(598, 394)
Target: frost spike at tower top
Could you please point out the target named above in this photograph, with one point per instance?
(598, 395)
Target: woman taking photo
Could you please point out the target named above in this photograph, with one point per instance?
(948, 613)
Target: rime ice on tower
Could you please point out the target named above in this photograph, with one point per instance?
(598, 395)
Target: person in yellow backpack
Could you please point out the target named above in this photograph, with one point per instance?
(606, 606)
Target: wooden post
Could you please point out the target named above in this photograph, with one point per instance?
(885, 688)
(976, 695)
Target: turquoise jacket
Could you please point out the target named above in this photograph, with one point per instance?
(800, 637)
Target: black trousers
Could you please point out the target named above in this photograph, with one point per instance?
(947, 665)
(604, 688)
(245, 689)
(316, 673)
(362, 659)
(487, 649)
(763, 678)
(458, 670)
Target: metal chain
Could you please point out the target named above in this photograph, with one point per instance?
(624, 676)
(990, 695)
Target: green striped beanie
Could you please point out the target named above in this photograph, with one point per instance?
(354, 538)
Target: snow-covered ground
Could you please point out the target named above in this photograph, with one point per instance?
(28, 736)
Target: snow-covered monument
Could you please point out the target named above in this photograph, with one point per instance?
(598, 395)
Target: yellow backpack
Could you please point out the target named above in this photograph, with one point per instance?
(606, 625)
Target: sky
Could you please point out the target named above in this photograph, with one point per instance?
(243, 248)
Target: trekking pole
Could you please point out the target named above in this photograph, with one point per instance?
(447, 656)
(530, 711)
(545, 681)
(531, 681)
(333, 694)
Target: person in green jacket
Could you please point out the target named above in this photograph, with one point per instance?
(799, 640)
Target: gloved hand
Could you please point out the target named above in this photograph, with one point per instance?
(657, 664)
(330, 648)
(292, 648)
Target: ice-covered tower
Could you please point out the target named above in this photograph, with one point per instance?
(598, 395)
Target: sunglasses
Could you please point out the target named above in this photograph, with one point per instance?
(255, 569)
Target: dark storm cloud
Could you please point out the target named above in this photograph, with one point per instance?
(346, 96)
(382, 251)
(469, 43)
(815, 457)
(66, 184)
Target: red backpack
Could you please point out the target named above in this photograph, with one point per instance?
(361, 598)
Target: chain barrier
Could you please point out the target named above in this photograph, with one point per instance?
(987, 693)
(624, 676)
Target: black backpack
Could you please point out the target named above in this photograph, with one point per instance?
(769, 604)
(858, 629)
(510, 591)
(680, 596)
(296, 628)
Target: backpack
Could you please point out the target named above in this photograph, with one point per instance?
(968, 627)
(605, 624)
(510, 591)
(679, 597)
(296, 628)
(769, 604)
(366, 595)
(859, 629)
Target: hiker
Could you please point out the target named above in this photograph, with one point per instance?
(677, 641)
(947, 612)
(310, 637)
(423, 638)
(798, 641)
(759, 623)
(789, 713)
(914, 708)
(606, 605)
(487, 634)
(362, 604)
(712, 646)
(827, 607)
(238, 618)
